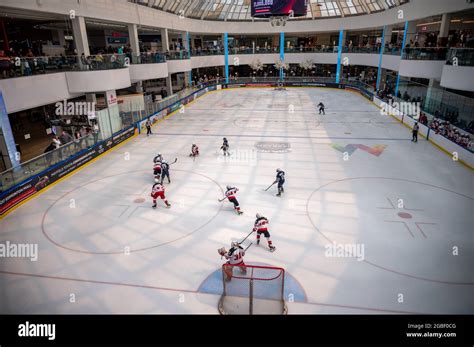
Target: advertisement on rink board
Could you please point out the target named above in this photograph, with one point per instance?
(24, 190)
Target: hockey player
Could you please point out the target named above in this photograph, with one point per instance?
(157, 169)
(230, 194)
(194, 151)
(280, 179)
(235, 258)
(158, 191)
(260, 226)
(321, 108)
(225, 146)
(165, 171)
(158, 158)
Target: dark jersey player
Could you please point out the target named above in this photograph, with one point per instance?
(321, 108)
(280, 179)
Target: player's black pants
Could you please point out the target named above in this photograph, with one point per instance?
(280, 186)
(321, 109)
(165, 173)
(414, 136)
(235, 202)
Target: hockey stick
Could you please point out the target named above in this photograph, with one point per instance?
(246, 237)
(175, 160)
(269, 186)
(251, 243)
(220, 200)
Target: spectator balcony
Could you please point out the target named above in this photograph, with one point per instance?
(458, 72)
(423, 62)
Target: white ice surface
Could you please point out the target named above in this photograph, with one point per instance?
(326, 199)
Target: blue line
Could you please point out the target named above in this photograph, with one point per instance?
(401, 56)
(379, 71)
(226, 56)
(339, 54)
(282, 51)
(287, 137)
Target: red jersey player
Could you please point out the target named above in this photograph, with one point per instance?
(235, 258)
(157, 169)
(260, 227)
(158, 191)
(230, 194)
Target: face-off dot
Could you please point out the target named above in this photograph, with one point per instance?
(404, 215)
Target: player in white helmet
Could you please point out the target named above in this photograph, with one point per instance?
(260, 226)
(230, 194)
(158, 158)
(158, 191)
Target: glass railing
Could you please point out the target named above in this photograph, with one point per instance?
(207, 52)
(452, 107)
(364, 49)
(28, 66)
(316, 49)
(103, 62)
(461, 56)
(177, 55)
(392, 50)
(435, 53)
(148, 58)
(36, 165)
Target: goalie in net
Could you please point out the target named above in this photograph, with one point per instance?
(280, 86)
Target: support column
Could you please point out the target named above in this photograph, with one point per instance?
(444, 30)
(8, 145)
(410, 32)
(169, 85)
(165, 44)
(339, 54)
(61, 39)
(80, 36)
(387, 34)
(226, 56)
(133, 39)
(282, 52)
(405, 35)
(379, 71)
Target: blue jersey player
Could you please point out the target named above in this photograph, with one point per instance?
(280, 179)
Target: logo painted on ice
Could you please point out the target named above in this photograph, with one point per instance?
(376, 150)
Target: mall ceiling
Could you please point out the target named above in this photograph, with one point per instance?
(239, 10)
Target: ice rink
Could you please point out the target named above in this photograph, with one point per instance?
(352, 177)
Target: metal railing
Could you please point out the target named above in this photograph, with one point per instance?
(461, 57)
(434, 53)
(11, 67)
(38, 164)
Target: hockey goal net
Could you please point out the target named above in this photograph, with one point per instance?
(252, 289)
(280, 86)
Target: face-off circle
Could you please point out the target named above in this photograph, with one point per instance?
(402, 226)
(123, 221)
